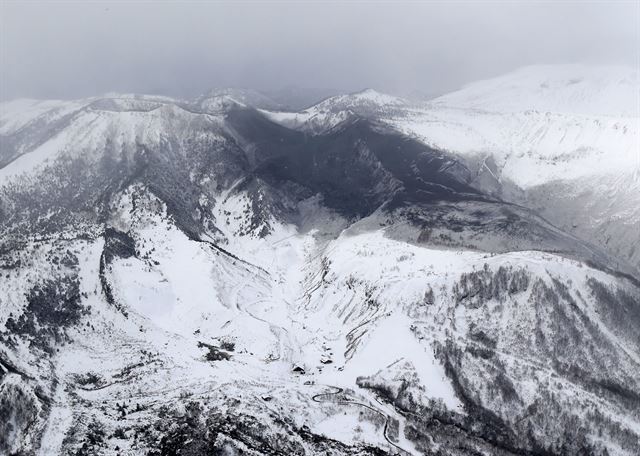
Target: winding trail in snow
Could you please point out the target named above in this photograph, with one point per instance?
(346, 401)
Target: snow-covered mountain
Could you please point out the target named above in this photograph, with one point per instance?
(571, 89)
(210, 277)
(563, 140)
(556, 138)
(337, 109)
(247, 97)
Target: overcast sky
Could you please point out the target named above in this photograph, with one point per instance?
(73, 49)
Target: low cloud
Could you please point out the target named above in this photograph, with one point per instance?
(75, 49)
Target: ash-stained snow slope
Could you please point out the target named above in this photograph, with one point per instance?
(556, 138)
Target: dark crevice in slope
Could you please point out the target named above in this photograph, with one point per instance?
(116, 245)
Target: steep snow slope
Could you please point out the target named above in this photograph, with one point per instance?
(48, 131)
(541, 123)
(530, 148)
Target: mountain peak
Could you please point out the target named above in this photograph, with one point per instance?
(364, 100)
(219, 103)
(242, 96)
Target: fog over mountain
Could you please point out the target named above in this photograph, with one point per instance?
(52, 49)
